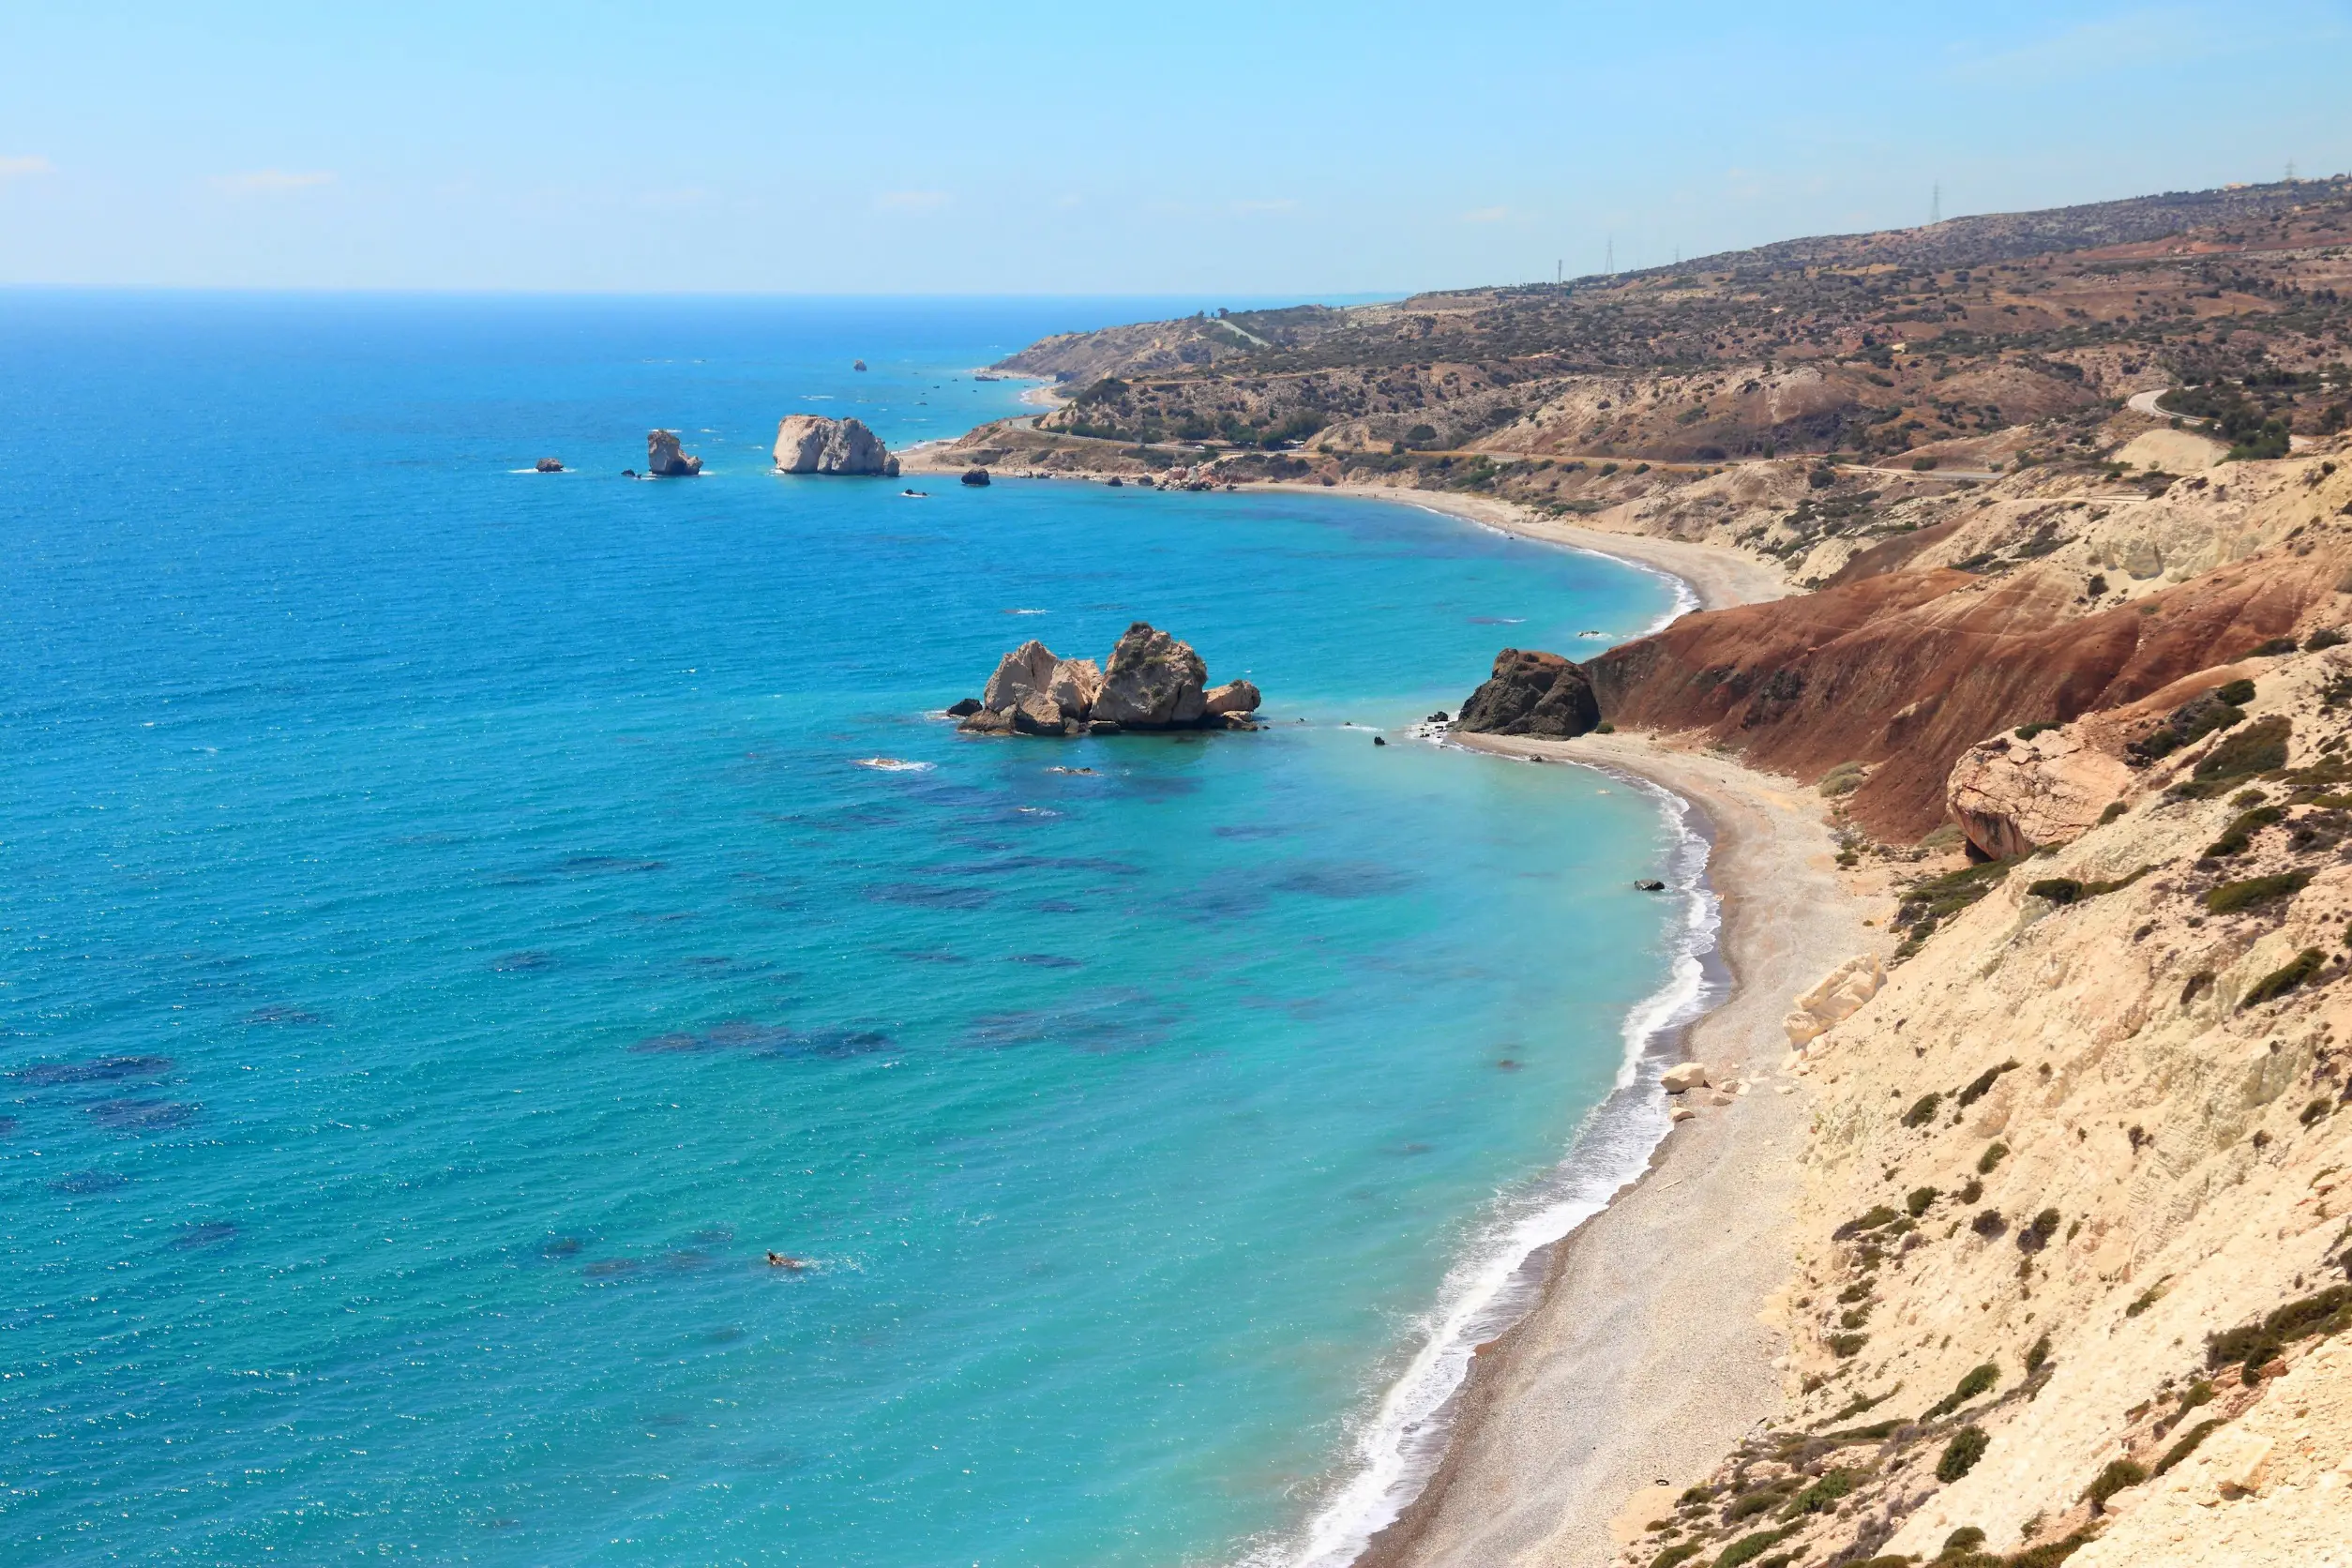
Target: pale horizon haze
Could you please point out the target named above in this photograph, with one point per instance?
(1308, 150)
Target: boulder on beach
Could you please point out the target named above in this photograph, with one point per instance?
(1531, 693)
(1684, 1076)
(811, 444)
(664, 461)
(1151, 681)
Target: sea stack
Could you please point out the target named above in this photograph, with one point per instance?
(1531, 693)
(975, 476)
(550, 465)
(1152, 681)
(810, 443)
(664, 461)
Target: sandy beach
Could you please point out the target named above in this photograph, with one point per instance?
(1647, 1355)
(1719, 577)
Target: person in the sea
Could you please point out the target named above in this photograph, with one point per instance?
(784, 1260)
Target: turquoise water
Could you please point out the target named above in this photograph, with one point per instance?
(454, 930)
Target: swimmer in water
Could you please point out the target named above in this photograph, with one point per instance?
(782, 1261)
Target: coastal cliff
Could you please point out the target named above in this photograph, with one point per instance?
(2040, 1252)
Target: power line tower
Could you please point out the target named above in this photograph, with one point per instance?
(1936, 205)
(2290, 171)
(1609, 253)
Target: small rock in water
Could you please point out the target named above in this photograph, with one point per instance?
(857, 363)
(550, 465)
(975, 476)
(628, 473)
(1440, 716)
(1378, 741)
(664, 460)
(1650, 884)
(963, 709)
(1116, 482)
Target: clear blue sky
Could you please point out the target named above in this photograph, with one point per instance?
(885, 147)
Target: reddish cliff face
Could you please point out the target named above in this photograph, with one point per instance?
(1905, 670)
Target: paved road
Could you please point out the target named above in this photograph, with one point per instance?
(2145, 403)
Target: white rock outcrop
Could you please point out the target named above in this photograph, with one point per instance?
(810, 443)
(2011, 797)
(1838, 995)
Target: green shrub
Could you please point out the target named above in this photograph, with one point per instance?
(2115, 808)
(1988, 1222)
(1967, 1447)
(1982, 1083)
(2119, 1474)
(1674, 1555)
(2255, 1345)
(2237, 693)
(1822, 1495)
(1920, 1199)
(1993, 1155)
(2050, 1553)
(1844, 779)
(2058, 890)
(1974, 1383)
(1749, 1547)
(2039, 1356)
(2026, 731)
(2186, 1446)
(1922, 1110)
(2229, 897)
(1748, 1504)
(1846, 1345)
(1879, 1215)
(2326, 637)
(1968, 1538)
(2240, 831)
(2257, 749)
(1974, 1190)
(2036, 1236)
(2314, 1111)
(2285, 978)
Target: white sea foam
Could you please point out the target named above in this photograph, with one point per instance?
(893, 764)
(1399, 1439)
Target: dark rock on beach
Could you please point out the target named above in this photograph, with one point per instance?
(663, 459)
(1151, 681)
(1531, 693)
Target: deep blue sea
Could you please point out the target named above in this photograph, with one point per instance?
(457, 921)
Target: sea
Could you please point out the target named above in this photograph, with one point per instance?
(463, 923)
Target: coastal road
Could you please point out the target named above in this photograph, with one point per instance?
(2145, 403)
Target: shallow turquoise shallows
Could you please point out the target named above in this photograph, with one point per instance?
(458, 921)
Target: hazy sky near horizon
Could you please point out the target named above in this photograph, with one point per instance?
(899, 147)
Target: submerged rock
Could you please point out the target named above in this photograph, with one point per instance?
(1152, 681)
(664, 461)
(1531, 693)
(811, 444)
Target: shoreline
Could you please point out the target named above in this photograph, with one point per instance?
(1641, 1349)
(1643, 1357)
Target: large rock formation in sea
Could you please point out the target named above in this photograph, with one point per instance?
(810, 443)
(664, 461)
(1531, 693)
(1153, 681)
